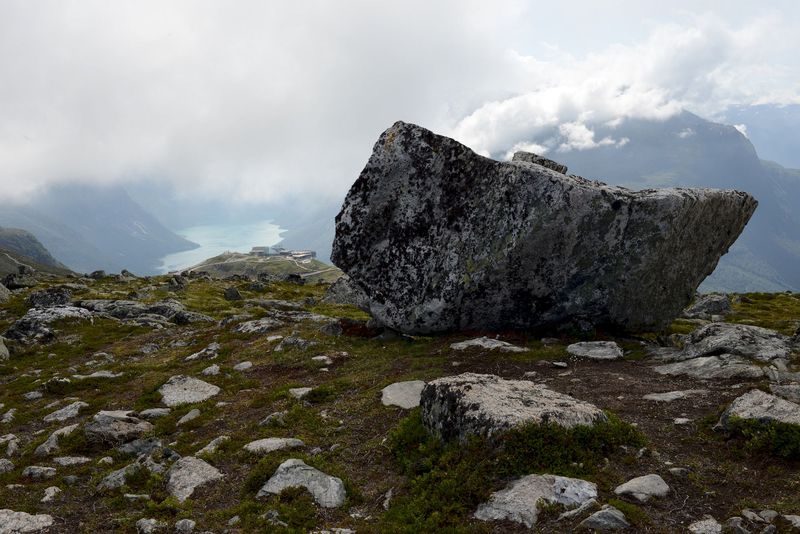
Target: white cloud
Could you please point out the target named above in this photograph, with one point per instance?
(742, 129)
(686, 133)
(257, 101)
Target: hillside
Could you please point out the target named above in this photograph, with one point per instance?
(11, 260)
(25, 244)
(234, 263)
(252, 354)
(90, 228)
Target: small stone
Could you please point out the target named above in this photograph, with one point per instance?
(752, 516)
(184, 526)
(327, 491)
(149, 526)
(487, 344)
(33, 395)
(606, 519)
(679, 471)
(154, 413)
(243, 366)
(234, 520)
(231, 293)
(299, 393)
(213, 445)
(52, 493)
(67, 412)
(671, 396)
(268, 445)
(105, 460)
(275, 418)
(325, 360)
(643, 488)
(681, 421)
(6, 466)
(559, 365)
(211, 370)
(136, 497)
(707, 525)
(66, 461)
(192, 414)
(768, 515)
(405, 395)
(736, 525)
(595, 350)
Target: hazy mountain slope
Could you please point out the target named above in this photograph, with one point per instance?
(772, 129)
(25, 244)
(91, 228)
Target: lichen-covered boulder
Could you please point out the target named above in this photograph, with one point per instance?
(441, 238)
(456, 407)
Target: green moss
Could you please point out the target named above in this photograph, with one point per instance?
(634, 514)
(448, 481)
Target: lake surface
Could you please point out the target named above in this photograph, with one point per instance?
(216, 239)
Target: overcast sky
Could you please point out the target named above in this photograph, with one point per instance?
(262, 100)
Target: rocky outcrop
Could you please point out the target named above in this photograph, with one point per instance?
(441, 238)
(457, 407)
(35, 325)
(47, 298)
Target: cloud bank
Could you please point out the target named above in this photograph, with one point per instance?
(264, 101)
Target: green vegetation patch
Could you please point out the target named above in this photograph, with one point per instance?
(446, 482)
(779, 439)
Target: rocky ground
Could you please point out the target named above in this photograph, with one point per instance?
(190, 404)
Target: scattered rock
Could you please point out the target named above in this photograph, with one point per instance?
(11, 442)
(4, 352)
(51, 494)
(268, 445)
(12, 522)
(208, 353)
(190, 415)
(456, 407)
(327, 491)
(186, 390)
(5, 294)
(149, 526)
(66, 461)
(213, 445)
(596, 350)
(231, 293)
(114, 427)
(35, 324)
(6, 466)
(275, 418)
(243, 366)
(671, 396)
(51, 443)
(643, 488)
(405, 395)
(487, 344)
(294, 342)
(345, 291)
(324, 360)
(606, 519)
(67, 412)
(494, 240)
(211, 370)
(116, 479)
(751, 342)
(705, 306)
(712, 367)
(37, 472)
(521, 499)
(47, 298)
(154, 413)
(299, 393)
(259, 326)
(187, 474)
(761, 407)
(184, 526)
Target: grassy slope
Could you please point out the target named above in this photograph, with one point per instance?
(232, 263)
(371, 447)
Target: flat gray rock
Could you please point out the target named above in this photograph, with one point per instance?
(154, 413)
(12, 522)
(595, 350)
(487, 344)
(606, 519)
(671, 396)
(268, 445)
(756, 405)
(114, 427)
(521, 499)
(259, 326)
(459, 406)
(187, 474)
(66, 461)
(213, 445)
(186, 390)
(644, 488)
(751, 342)
(67, 412)
(405, 395)
(440, 238)
(706, 306)
(37, 472)
(712, 367)
(707, 525)
(327, 491)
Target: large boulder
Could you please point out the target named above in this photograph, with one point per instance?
(760, 407)
(456, 407)
(441, 238)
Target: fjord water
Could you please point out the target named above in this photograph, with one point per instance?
(218, 238)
